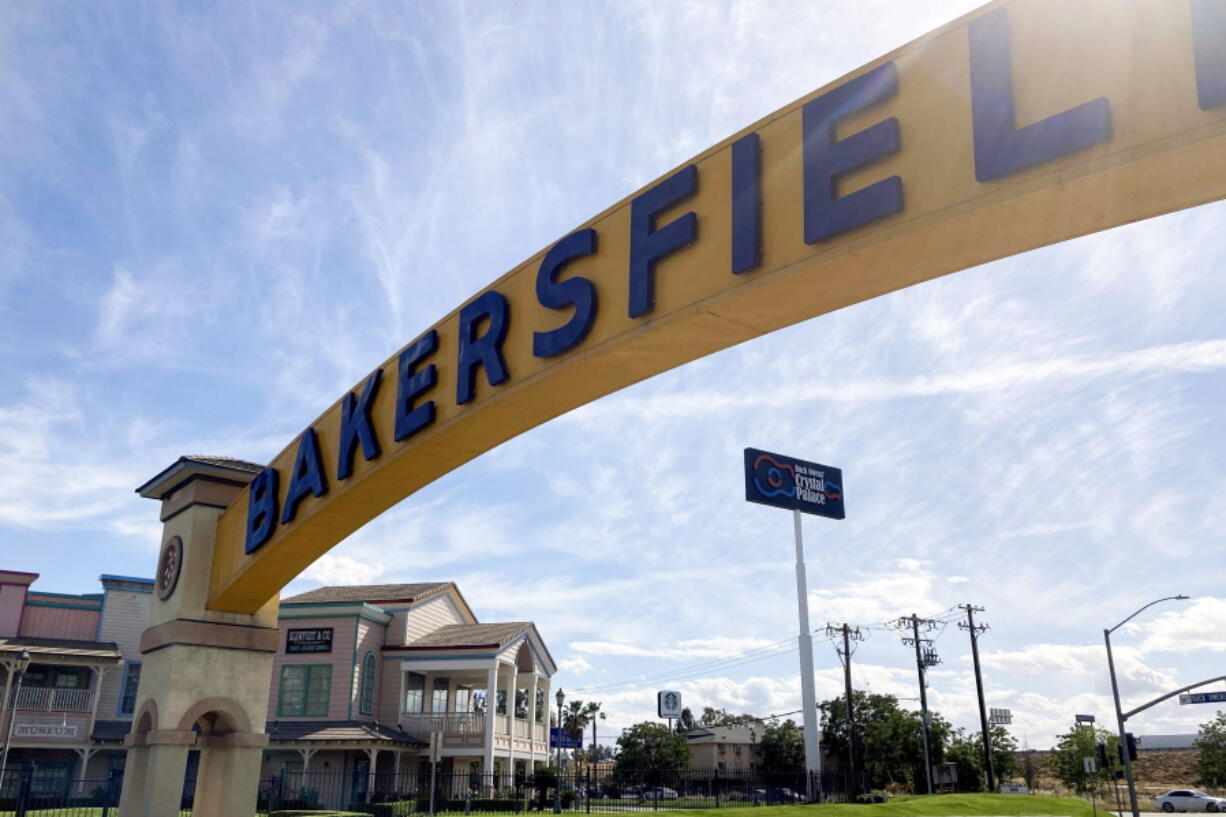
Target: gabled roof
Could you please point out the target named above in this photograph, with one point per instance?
(338, 731)
(473, 635)
(220, 469)
(372, 593)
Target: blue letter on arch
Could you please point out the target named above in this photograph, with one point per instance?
(556, 294)
(261, 509)
(1000, 148)
(826, 159)
(1209, 42)
(307, 476)
(356, 426)
(486, 350)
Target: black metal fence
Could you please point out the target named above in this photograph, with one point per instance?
(30, 792)
(585, 792)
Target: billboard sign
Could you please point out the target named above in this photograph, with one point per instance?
(668, 704)
(786, 482)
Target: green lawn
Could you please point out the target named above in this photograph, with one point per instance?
(939, 805)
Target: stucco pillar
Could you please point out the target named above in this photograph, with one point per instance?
(199, 666)
(226, 773)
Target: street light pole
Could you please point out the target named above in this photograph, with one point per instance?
(1119, 712)
(557, 789)
(19, 673)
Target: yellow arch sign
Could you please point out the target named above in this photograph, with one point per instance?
(1024, 123)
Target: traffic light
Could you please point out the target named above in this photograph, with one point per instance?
(1101, 751)
(1132, 745)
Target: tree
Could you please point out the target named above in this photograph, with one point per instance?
(591, 713)
(686, 722)
(889, 739)
(783, 747)
(1066, 761)
(1004, 753)
(966, 751)
(1211, 752)
(722, 717)
(651, 749)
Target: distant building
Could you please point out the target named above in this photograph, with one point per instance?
(361, 677)
(725, 748)
(1166, 743)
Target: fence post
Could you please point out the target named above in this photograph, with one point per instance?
(589, 789)
(24, 787)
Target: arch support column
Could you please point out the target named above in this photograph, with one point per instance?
(205, 675)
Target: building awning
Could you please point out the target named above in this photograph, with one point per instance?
(61, 648)
(339, 732)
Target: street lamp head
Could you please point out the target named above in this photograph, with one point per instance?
(560, 697)
(1182, 597)
(23, 661)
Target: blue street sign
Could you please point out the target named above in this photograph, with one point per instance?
(1203, 698)
(559, 739)
(786, 482)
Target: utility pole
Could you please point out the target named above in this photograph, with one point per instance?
(849, 634)
(969, 626)
(925, 656)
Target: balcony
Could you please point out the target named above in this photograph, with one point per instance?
(45, 699)
(421, 724)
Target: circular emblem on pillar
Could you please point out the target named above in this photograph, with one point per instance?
(170, 562)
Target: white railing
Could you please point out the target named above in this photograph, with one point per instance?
(449, 723)
(45, 699)
(465, 723)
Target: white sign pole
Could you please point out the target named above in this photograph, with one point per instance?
(808, 694)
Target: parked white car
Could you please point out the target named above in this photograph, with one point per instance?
(1189, 800)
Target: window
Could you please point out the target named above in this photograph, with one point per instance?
(366, 703)
(414, 693)
(463, 699)
(722, 749)
(127, 691)
(721, 765)
(70, 679)
(438, 698)
(304, 690)
(736, 748)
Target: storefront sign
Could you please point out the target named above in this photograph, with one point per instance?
(318, 640)
(45, 729)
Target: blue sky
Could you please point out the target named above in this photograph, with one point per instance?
(215, 220)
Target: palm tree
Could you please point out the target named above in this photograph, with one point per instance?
(591, 712)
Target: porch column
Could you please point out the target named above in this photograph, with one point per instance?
(532, 725)
(512, 683)
(99, 674)
(7, 704)
(86, 754)
(491, 715)
(373, 754)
